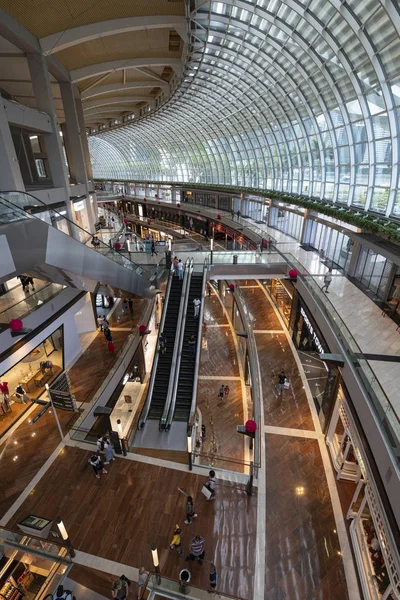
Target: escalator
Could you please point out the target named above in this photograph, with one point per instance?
(44, 243)
(184, 392)
(164, 363)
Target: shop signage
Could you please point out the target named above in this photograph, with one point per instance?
(63, 400)
(311, 330)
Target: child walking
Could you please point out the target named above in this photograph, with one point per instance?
(176, 541)
(190, 514)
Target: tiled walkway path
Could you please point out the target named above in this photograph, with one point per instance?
(303, 559)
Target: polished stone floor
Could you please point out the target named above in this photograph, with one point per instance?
(219, 365)
(119, 516)
(303, 559)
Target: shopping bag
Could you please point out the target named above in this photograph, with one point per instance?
(111, 346)
(205, 490)
(286, 385)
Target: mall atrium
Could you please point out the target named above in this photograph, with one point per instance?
(200, 299)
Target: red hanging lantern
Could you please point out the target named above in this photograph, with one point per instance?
(293, 273)
(148, 221)
(218, 216)
(142, 329)
(117, 246)
(126, 221)
(231, 287)
(178, 204)
(145, 199)
(16, 324)
(155, 195)
(251, 426)
(123, 196)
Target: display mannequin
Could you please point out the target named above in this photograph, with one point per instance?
(5, 393)
(21, 394)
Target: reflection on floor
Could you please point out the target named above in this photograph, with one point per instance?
(302, 549)
(220, 417)
(303, 558)
(119, 516)
(86, 374)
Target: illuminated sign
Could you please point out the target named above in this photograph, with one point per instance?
(311, 330)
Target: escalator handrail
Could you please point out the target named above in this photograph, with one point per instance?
(146, 408)
(179, 353)
(198, 349)
(181, 318)
(72, 223)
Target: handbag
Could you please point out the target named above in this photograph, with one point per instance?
(205, 490)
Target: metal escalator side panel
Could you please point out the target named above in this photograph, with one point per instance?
(166, 419)
(145, 411)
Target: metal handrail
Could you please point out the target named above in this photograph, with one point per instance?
(179, 357)
(181, 315)
(145, 411)
(198, 349)
(23, 211)
(254, 365)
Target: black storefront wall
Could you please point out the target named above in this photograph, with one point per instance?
(310, 343)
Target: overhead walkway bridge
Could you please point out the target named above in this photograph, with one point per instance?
(41, 241)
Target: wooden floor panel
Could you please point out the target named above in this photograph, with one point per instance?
(302, 547)
(119, 516)
(261, 311)
(289, 408)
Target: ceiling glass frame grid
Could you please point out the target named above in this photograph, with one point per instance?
(296, 96)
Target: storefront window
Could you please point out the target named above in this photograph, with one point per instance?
(26, 380)
(373, 271)
(282, 294)
(329, 242)
(286, 221)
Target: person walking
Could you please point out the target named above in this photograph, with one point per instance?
(327, 280)
(97, 465)
(281, 381)
(141, 581)
(175, 265)
(211, 484)
(108, 334)
(176, 542)
(226, 391)
(153, 248)
(163, 343)
(130, 304)
(108, 451)
(196, 549)
(180, 269)
(238, 214)
(190, 514)
(29, 280)
(100, 444)
(120, 589)
(192, 346)
(221, 392)
(196, 304)
(213, 578)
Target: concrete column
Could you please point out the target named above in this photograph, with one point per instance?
(45, 102)
(10, 173)
(74, 145)
(84, 142)
(304, 227)
(173, 193)
(355, 253)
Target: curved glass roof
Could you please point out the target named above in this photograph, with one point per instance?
(301, 96)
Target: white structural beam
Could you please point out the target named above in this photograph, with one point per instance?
(119, 87)
(117, 65)
(115, 100)
(16, 33)
(77, 35)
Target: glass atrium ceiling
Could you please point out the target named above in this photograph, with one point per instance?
(301, 96)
